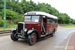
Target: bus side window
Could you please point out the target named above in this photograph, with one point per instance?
(48, 20)
(55, 20)
(51, 21)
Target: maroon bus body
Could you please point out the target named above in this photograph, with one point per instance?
(42, 26)
(49, 27)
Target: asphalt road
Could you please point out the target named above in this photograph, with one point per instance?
(58, 42)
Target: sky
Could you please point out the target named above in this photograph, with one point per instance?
(63, 6)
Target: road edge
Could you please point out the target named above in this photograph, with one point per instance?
(68, 41)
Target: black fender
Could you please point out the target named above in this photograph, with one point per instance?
(31, 31)
(13, 30)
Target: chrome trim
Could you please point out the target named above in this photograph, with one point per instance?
(21, 22)
(23, 29)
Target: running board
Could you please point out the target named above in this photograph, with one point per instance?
(44, 37)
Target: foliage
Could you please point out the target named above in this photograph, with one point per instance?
(8, 27)
(16, 9)
(12, 16)
(1, 23)
(64, 18)
(73, 22)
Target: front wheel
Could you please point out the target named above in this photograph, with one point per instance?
(32, 39)
(13, 37)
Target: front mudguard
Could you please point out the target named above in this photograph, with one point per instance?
(31, 31)
(13, 30)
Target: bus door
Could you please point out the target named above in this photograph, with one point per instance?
(44, 23)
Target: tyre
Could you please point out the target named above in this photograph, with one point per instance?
(13, 37)
(52, 34)
(32, 39)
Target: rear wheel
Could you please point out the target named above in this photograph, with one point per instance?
(13, 37)
(52, 34)
(32, 39)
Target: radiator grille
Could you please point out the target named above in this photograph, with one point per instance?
(20, 27)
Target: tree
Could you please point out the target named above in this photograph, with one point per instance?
(23, 5)
(15, 9)
(1, 4)
(73, 22)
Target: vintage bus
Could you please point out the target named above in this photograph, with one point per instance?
(36, 25)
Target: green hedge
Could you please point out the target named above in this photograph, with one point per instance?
(1, 23)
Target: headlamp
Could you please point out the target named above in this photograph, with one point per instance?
(25, 29)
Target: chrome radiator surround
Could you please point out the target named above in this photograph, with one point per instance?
(21, 28)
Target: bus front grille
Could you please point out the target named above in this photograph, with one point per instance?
(20, 27)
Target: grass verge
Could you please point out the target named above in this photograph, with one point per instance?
(67, 25)
(8, 27)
